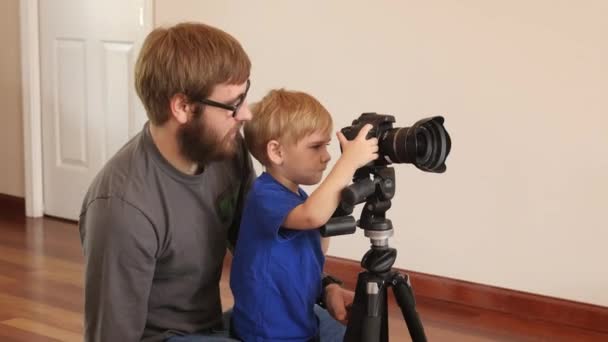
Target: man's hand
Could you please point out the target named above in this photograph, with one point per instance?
(338, 302)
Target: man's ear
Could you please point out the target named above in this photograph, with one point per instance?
(180, 108)
(274, 150)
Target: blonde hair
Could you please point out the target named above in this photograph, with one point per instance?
(285, 116)
(189, 59)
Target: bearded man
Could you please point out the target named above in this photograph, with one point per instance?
(157, 219)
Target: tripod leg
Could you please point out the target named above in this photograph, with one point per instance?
(372, 321)
(368, 320)
(405, 299)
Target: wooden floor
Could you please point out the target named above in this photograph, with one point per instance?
(41, 277)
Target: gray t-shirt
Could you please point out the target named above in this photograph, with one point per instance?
(154, 240)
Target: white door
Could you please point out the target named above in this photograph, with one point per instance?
(89, 106)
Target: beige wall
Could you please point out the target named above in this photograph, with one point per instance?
(524, 89)
(522, 85)
(11, 128)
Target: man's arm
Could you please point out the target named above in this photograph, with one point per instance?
(248, 176)
(120, 248)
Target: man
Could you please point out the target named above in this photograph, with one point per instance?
(157, 219)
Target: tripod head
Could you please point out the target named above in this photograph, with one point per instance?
(374, 185)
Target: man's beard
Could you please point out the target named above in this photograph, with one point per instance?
(202, 145)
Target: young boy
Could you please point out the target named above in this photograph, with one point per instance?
(278, 261)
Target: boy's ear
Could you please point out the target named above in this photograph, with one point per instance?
(180, 108)
(275, 152)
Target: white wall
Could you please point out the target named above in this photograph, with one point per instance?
(523, 86)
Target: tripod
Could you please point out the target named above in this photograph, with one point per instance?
(369, 314)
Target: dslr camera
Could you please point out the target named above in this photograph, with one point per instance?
(426, 144)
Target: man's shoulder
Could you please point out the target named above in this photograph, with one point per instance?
(116, 176)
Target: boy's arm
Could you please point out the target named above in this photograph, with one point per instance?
(322, 203)
(120, 247)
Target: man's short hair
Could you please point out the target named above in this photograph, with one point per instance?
(285, 116)
(189, 59)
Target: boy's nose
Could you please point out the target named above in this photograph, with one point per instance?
(326, 157)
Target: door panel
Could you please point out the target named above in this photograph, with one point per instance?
(89, 105)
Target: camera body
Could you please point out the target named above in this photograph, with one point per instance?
(426, 144)
(381, 125)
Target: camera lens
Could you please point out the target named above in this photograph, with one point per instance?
(426, 145)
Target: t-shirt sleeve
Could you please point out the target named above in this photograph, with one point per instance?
(120, 246)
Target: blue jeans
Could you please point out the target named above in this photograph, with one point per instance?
(330, 330)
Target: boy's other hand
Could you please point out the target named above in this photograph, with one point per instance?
(338, 302)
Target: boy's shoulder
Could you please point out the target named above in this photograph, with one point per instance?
(266, 186)
(266, 189)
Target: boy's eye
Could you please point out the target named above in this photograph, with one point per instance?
(319, 146)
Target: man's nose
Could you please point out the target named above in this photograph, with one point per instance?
(244, 113)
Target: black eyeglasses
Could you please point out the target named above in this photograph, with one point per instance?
(233, 108)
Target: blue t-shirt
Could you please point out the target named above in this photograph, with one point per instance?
(276, 272)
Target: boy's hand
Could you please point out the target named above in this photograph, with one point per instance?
(338, 302)
(359, 151)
